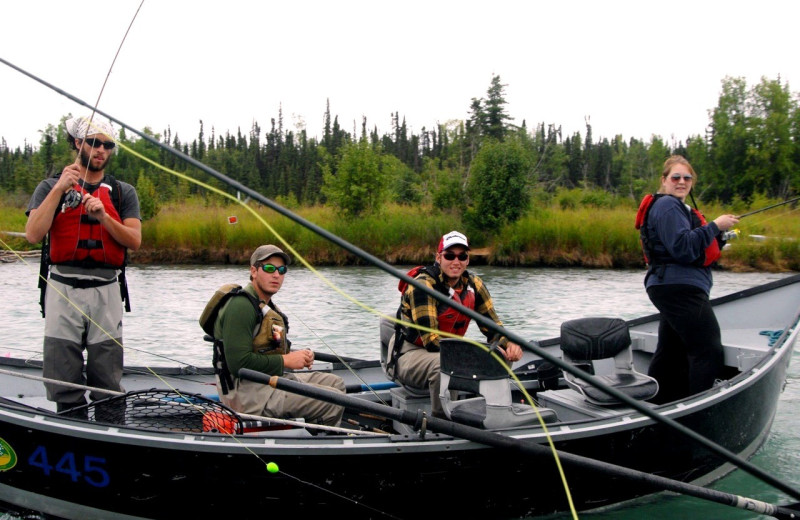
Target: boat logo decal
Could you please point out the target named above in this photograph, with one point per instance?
(8, 458)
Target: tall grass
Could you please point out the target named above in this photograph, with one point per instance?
(568, 229)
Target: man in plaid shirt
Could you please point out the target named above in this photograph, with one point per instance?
(417, 361)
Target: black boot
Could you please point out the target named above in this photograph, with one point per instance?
(76, 410)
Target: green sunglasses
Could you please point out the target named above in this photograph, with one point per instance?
(269, 268)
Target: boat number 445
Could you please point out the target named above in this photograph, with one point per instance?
(79, 468)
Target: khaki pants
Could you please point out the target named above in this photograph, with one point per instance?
(253, 398)
(419, 368)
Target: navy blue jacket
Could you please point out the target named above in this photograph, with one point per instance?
(669, 226)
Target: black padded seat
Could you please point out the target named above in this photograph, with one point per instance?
(471, 369)
(586, 340)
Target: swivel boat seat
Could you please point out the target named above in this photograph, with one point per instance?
(473, 371)
(586, 341)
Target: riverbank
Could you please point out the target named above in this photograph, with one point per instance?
(202, 232)
(484, 256)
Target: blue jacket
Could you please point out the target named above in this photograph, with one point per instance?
(669, 225)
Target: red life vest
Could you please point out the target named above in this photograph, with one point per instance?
(79, 240)
(450, 320)
(710, 255)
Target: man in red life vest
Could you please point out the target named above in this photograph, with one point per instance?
(417, 361)
(89, 227)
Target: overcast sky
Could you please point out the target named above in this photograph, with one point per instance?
(635, 68)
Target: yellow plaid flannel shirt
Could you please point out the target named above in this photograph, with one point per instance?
(420, 308)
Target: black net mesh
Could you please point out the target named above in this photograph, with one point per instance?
(165, 410)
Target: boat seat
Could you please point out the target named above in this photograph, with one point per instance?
(468, 369)
(387, 335)
(587, 340)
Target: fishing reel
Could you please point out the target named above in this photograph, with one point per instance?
(72, 200)
(731, 233)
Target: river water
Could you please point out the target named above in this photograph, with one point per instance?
(333, 310)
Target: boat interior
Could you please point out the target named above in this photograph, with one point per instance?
(475, 387)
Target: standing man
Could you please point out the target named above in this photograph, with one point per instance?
(417, 360)
(87, 220)
(267, 350)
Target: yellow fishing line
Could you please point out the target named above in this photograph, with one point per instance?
(347, 296)
(371, 310)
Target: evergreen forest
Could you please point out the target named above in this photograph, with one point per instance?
(488, 169)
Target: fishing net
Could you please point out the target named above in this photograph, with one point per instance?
(164, 410)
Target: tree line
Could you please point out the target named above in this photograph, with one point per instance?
(485, 167)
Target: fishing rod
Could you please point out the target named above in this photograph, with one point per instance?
(768, 207)
(526, 446)
(530, 345)
(73, 198)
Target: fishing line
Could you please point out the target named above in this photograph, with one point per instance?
(73, 304)
(345, 363)
(283, 241)
(719, 450)
(302, 260)
(366, 307)
(90, 125)
(356, 502)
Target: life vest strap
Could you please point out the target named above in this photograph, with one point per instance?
(90, 244)
(79, 283)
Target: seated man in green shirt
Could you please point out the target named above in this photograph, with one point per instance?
(268, 350)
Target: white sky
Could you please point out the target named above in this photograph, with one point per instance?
(636, 68)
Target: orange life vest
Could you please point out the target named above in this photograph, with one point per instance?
(80, 240)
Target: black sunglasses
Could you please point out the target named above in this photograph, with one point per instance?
(97, 143)
(449, 256)
(269, 268)
(675, 177)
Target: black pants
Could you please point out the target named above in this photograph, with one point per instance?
(689, 355)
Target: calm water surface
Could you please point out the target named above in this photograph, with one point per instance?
(335, 313)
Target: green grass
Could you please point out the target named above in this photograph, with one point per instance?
(580, 232)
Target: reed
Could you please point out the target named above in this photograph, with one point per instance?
(568, 229)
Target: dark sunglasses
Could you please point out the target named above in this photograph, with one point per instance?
(269, 268)
(97, 143)
(675, 177)
(449, 256)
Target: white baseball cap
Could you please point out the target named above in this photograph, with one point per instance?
(453, 238)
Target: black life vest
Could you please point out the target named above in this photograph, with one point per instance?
(654, 256)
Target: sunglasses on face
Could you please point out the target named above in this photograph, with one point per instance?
(97, 143)
(269, 268)
(450, 256)
(675, 177)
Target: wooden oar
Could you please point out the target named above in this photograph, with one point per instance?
(497, 440)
